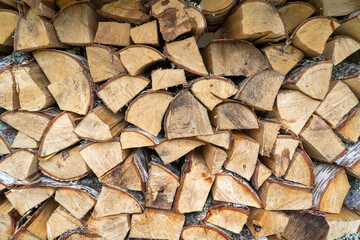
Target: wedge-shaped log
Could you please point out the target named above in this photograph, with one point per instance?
(146, 33)
(9, 18)
(349, 126)
(354, 83)
(20, 164)
(110, 227)
(133, 137)
(312, 80)
(164, 78)
(351, 160)
(211, 91)
(331, 187)
(233, 58)
(113, 33)
(301, 169)
(342, 223)
(8, 217)
(214, 157)
(222, 139)
(9, 97)
(193, 232)
(4, 146)
(261, 173)
(119, 90)
(311, 35)
(215, 12)
(185, 111)
(294, 13)
(230, 187)
(317, 136)
(348, 25)
(335, 8)
(195, 184)
(294, 118)
(232, 114)
(24, 141)
(340, 47)
(67, 165)
(79, 234)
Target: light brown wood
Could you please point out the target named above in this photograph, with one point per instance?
(156, 223)
(354, 83)
(146, 33)
(43, 8)
(24, 141)
(113, 33)
(8, 217)
(215, 12)
(348, 25)
(110, 227)
(227, 57)
(81, 235)
(340, 47)
(261, 173)
(349, 126)
(193, 232)
(4, 146)
(351, 160)
(164, 78)
(20, 164)
(133, 137)
(335, 8)
(294, 13)
(301, 169)
(222, 139)
(214, 157)
(8, 3)
(9, 97)
(343, 223)
(119, 90)
(9, 18)
(195, 184)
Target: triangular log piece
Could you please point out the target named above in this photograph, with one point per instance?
(35, 32)
(227, 57)
(337, 103)
(148, 109)
(340, 47)
(195, 185)
(354, 83)
(172, 150)
(185, 53)
(242, 157)
(157, 224)
(8, 217)
(125, 10)
(230, 187)
(348, 25)
(317, 136)
(294, 13)
(137, 58)
(101, 157)
(312, 80)
(335, 8)
(20, 164)
(118, 91)
(232, 114)
(67, 165)
(133, 137)
(349, 126)
(331, 187)
(32, 124)
(4, 146)
(229, 216)
(76, 24)
(103, 63)
(301, 169)
(282, 57)
(24, 141)
(110, 227)
(213, 90)
(132, 174)
(178, 17)
(256, 21)
(9, 18)
(25, 198)
(278, 194)
(9, 97)
(43, 8)
(113, 33)
(146, 33)
(81, 234)
(186, 117)
(287, 108)
(351, 160)
(311, 35)
(214, 157)
(215, 12)
(161, 185)
(78, 202)
(221, 139)
(61, 221)
(281, 154)
(260, 175)
(164, 78)
(193, 232)
(100, 124)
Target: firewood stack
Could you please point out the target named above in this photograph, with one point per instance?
(166, 119)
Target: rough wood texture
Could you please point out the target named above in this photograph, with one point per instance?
(110, 227)
(222, 139)
(340, 47)
(4, 146)
(9, 97)
(348, 25)
(214, 157)
(261, 173)
(133, 137)
(351, 160)
(119, 34)
(343, 223)
(24, 141)
(193, 232)
(82, 235)
(10, 19)
(294, 13)
(43, 8)
(354, 83)
(146, 33)
(349, 126)
(335, 8)
(8, 218)
(215, 12)
(20, 164)
(164, 78)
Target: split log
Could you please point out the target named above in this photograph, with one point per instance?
(335, 8)
(67, 165)
(292, 117)
(9, 97)
(230, 115)
(194, 232)
(261, 173)
(349, 126)
(185, 53)
(8, 3)
(81, 234)
(110, 227)
(43, 8)
(348, 25)
(222, 139)
(146, 33)
(351, 160)
(262, 223)
(331, 187)
(259, 91)
(186, 117)
(227, 57)
(340, 47)
(133, 137)
(195, 184)
(157, 224)
(215, 12)
(282, 57)
(8, 217)
(354, 83)
(4, 146)
(294, 13)
(230, 187)
(311, 35)
(9, 18)
(214, 157)
(118, 91)
(20, 164)
(312, 80)
(113, 33)
(24, 141)
(164, 78)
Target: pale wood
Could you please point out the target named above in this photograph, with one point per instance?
(294, 13)
(4, 146)
(22, 140)
(351, 160)
(227, 57)
(193, 232)
(335, 8)
(222, 139)
(43, 7)
(119, 90)
(349, 126)
(9, 18)
(164, 78)
(113, 33)
(20, 164)
(132, 137)
(81, 235)
(214, 157)
(157, 224)
(215, 12)
(348, 25)
(110, 227)
(261, 173)
(8, 218)
(343, 223)
(354, 83)
(146, 33)
(340, 47)
(195, 184)
(301, 169)
(9, 97)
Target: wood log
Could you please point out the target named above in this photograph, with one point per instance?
(311, 35)
(120, 34)
(282, 57)
(351, 160)
(214, 157)
(215, 12)
(349, 126)
(278, 194)
(146, 33)
(194, 232)
(4, 146)
(8, 217)
(81, 234)
(353, 83)
(118, 91)
(164, 78)
(233, 58)
(43, 8)
(110, 227)
(294, 13)
(8, 3)
(195, 184)
(20, 164)
(222, 139)
(230, 187)
(335, 8)
(303, 79)
(339, 48)
(262, 223)
(347, 25)
(9, 97)
(331, 187)
(261, 173)
(24, 141)
(133, 137)
(10, 19)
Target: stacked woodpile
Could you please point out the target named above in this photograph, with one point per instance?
(165, 119)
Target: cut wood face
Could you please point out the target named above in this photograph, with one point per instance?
(9, 218)
(120, 34)
(164, 78)
(215, 12)
(294, 13)
(260, 175)
(185, 53)
(81, 234)
(214, 157)
(20, 164)
(354, 83)
(47, 9)
(343, 223)
(351, 160)
(301, 169)
(136, 138)
(222, 139)
(194, 232)
(348, 25)
(335, 8)
(340, 47)
(9, 97)
(163, 224)
(146, 33)
(111, 227)
(227, 57)
(4, 146)
(349, 126)
(10, 18)
(311, 35)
